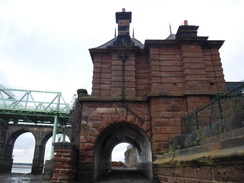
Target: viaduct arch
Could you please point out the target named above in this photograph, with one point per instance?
(41, 134)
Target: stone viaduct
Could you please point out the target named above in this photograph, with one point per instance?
(8, 135)
(140, 93)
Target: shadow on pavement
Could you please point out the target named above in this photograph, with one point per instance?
(123, 176)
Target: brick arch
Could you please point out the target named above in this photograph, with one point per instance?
(97, 117)
(118, 133)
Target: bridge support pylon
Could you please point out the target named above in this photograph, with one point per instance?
(38, 160)
(6, 159)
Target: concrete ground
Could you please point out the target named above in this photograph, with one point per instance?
(114, 176)
(21, 178)
(123, 176)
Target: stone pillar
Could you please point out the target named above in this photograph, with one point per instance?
(65, 159)
(171, 70)
(194, 69)
(38, 159)
(105, 75)
(97, 71)
(142, 77)
(155, 71)
(116, 75)
(3, 131)
(6, 161)
(130, 76)
(218, 70)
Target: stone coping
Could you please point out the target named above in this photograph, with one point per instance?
(63, 145)
(229, 149)
(227, 128)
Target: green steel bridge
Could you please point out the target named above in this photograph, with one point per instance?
(35, 107)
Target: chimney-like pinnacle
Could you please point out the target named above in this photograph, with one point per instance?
(185, 22)
(187, 30)
(123, 19)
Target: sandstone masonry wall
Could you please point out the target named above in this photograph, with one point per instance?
(208, 174)
(65, 159)
(97, 116)
(151, 88)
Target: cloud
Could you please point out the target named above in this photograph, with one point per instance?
(24, 148)
(44, 44)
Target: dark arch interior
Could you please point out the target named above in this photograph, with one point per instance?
(115, 134)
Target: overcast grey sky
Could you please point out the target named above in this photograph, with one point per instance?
(44, 43)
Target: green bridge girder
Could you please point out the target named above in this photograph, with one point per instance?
(34, 106)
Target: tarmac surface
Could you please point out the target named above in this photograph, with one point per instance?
(21, 178)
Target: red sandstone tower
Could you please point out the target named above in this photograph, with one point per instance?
(141, 92)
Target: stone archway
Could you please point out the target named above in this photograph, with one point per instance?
(115, 134)
(9, 147)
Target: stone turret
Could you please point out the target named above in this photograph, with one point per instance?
(123, 19)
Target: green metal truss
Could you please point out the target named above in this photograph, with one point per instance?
(33, 106)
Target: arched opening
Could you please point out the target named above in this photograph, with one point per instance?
(23, 152)
(118, 133)
(118, 155)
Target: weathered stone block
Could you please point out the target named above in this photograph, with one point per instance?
(145, 126)
(229, 174)
(161, 122)
(160, 137)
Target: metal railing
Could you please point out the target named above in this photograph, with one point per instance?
(220, 107)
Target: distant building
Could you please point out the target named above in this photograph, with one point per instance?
(131, 157)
